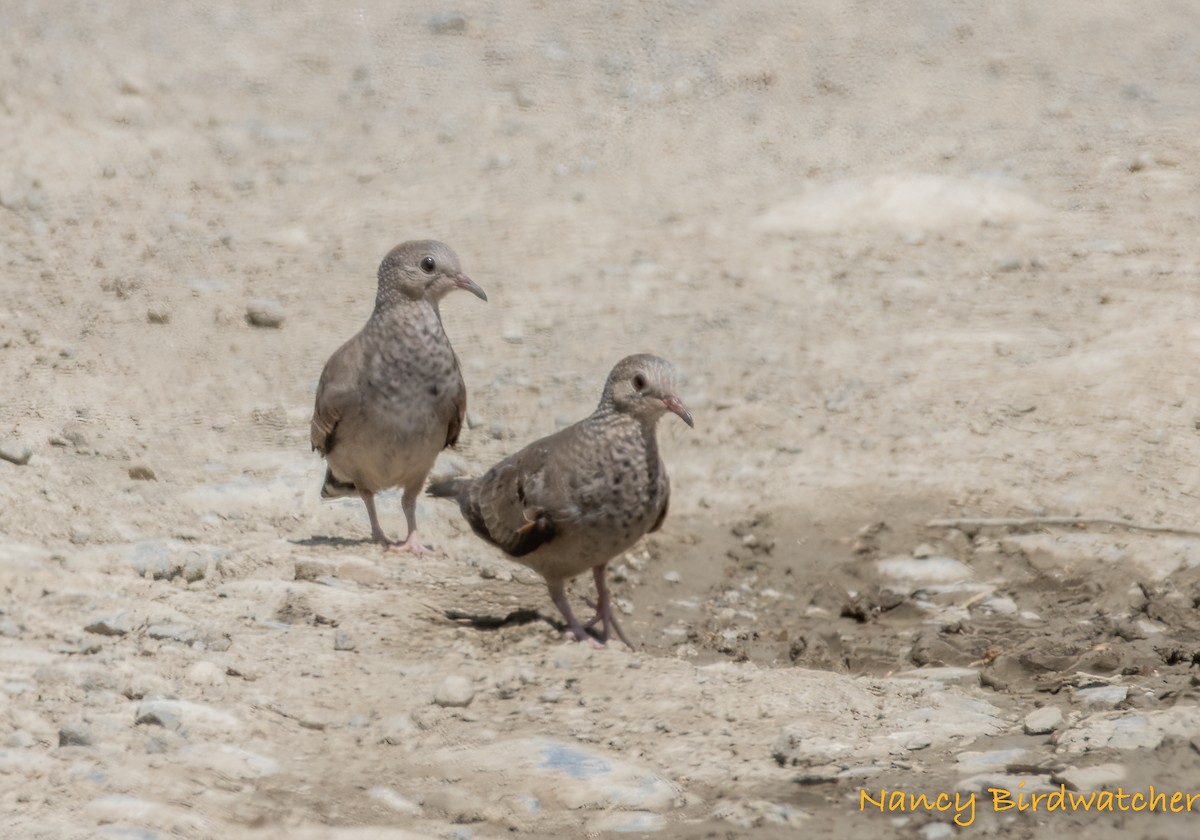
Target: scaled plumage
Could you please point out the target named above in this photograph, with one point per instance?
(392, 397)
(577, 498)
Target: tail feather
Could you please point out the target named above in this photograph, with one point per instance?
(449, 488)
(334, 488)
(465, 491)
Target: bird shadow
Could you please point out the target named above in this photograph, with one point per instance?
(495, 622)
(331, 542)
(514, 619)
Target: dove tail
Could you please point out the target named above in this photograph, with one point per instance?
(448, 489)
(334, 488)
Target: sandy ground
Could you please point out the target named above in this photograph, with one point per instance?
(916, 262)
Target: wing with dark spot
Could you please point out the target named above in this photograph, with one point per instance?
(511, 507)
(494, 506)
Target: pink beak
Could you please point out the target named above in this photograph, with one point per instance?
(466, 283)
(675, 406)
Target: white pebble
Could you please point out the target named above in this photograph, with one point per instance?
(455, 691)
(206, 673)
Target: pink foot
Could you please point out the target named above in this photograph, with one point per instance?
(412, 545)
(586, 637)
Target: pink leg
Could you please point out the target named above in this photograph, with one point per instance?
(376, 532)
(604, 606)
(412, 543)
(558, 595)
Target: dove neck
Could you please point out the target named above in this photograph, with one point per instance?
(629, 425)
(390, 303)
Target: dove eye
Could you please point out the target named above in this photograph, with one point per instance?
(639, 382)
(428, 265)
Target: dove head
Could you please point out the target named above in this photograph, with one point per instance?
(645, 387)
(421, 270)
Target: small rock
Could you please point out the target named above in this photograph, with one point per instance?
(1144, 160)
(1102, 697)
(999, 605)
(495, 573)
(196, 566)
(942, 674)
(135, 686)
(264, 313)
(974, 761)
(163, 741)
(571, 777)
(141, 472)
(924, 550)
(1043, 721)
(158, 713)
(936, 831)
(447, 466)
(672, 577)
(75, 735)
(1009, 265)
(131, 85)
(218, 644)
(458, 805)
(627, 822)
(206, 673)
(1100, 246)
(17, 453)
(447, 23)
(200, 720)
(309, 568)
(342, 641)
(455, 691)
(80, 536)
(397, 730)
(116, 625)
(925, 570)
(227, 761)
(174, 632)
(1096, 777)
(158, 316)
(169, 559)
(389, 797)
(1129, 730)
(74, 435)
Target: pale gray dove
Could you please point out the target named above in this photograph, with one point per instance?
(392, 397)
(575, 499)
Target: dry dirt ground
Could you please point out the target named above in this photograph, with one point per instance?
(916, 261)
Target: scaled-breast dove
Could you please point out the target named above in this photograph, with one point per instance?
(575, 499)
(392, 397)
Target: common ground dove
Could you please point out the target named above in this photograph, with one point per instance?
(575, 499)
(392, 397)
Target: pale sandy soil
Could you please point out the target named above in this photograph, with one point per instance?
(915, 261)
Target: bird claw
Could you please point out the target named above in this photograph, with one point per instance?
(583, 636)
(412, 545)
